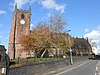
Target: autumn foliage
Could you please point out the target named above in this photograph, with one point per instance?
(46, 35)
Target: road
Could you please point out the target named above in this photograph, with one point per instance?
(86, 68)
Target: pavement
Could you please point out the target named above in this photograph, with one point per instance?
(98, 67)
(0, 71)
(88, 67)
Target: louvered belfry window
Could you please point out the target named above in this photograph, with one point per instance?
(22, 16)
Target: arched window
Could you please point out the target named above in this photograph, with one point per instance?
(22, 16)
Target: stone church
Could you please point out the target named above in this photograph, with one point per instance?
(20, 26)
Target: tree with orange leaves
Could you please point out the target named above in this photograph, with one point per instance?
(46, 35)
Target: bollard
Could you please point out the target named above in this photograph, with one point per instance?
(4, 71)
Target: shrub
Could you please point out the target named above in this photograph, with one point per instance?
(58, 55)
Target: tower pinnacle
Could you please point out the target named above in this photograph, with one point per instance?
(15, 6)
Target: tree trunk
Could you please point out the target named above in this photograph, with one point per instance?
(43, 53)
(35, 54)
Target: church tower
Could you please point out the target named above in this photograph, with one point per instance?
(20, 26)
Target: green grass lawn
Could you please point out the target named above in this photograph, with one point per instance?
(21, 62)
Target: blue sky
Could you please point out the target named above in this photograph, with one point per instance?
(83, 16)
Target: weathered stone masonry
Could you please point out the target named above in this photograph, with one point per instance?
(20, 26)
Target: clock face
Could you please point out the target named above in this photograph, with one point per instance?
(22, 22)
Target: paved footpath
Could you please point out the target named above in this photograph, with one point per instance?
(0, 71)
(88, 67)
(98, 68)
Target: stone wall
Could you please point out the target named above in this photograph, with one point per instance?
(39, 68)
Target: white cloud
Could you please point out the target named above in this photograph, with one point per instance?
(98, 28)
(94, 37)
(21, 3)
(31, 26)
(86, 30)
(48, 4)
(0, 35)
(2, 12)
(49, 14)
(11, 6)
(51, 4)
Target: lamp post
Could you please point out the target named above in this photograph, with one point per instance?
(69, 40)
